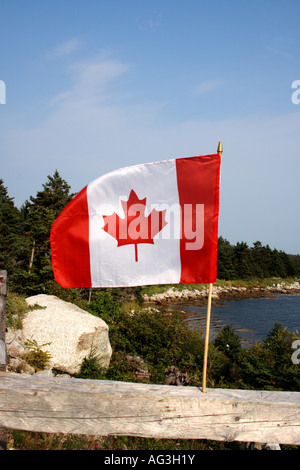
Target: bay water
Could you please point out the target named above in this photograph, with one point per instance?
(251, 318)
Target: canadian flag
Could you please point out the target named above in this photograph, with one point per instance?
(154, 223)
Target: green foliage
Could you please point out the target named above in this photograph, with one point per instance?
(243, 262)
(16, 307)
(91, 367)
(229, 343)
(161, 338)
(25, 235)
(268, 365)
(24, 440)
(12, 240)
(105, 304)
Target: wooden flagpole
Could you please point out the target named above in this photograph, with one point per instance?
(220, 151)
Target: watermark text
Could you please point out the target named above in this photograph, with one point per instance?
(160, 221)
(296, 354)
(296, 94)
(2, 92)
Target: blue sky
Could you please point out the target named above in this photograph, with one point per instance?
(94, 85)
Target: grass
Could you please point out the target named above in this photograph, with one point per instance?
(24, 440)
(16, 308)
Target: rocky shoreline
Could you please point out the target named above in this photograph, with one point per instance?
(172, 295)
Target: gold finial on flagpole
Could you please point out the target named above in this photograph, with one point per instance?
(220, 148)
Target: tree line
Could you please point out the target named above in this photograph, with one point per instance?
(258, 261)
(25, 243)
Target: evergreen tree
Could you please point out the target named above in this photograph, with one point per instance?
(229, 343)
(225, 265)
(268, 365)
(277, 267)
(257, 256)
(288, 265)
(267, 261)
(39, 214)
(295, 263)
(243, 261)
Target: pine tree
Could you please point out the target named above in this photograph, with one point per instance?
(243, 261)
(277, 267)
(39, 214)
(290, 269)
(257, 255)
(226, 268)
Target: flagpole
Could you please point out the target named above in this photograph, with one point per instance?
(220, 150)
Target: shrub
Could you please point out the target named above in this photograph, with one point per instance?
(268, 365)
(229, 343)
(36, 357)
(16, 307)
(91, 368)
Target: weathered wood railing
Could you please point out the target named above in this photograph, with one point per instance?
(3, 276)
(98, 407)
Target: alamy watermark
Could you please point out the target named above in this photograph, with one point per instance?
(2, 92)
(296, 94)
(162, 221)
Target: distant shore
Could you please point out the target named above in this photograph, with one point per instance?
(221, 292)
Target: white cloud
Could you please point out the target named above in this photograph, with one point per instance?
(151, 24)
(90, 74)
(90, 81)
(209, 85)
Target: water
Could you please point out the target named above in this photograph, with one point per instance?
(252, 319)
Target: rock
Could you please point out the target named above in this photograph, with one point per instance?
(71, 332)
(14, 364)
(27, 368)
(271, 447)
(141, 372)
(137, 359)
(261, 446)
(45, 373)
(14, 343)
(17, 364)
(15, 349)
(172, 295)
(174, 376)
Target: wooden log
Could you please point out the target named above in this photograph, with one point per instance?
(97, 407)
(3, 356)
(3, 276)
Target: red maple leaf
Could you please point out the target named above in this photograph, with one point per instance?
(135, 228)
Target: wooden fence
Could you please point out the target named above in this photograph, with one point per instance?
(3, 276)
(96, 407)
(99, 407)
